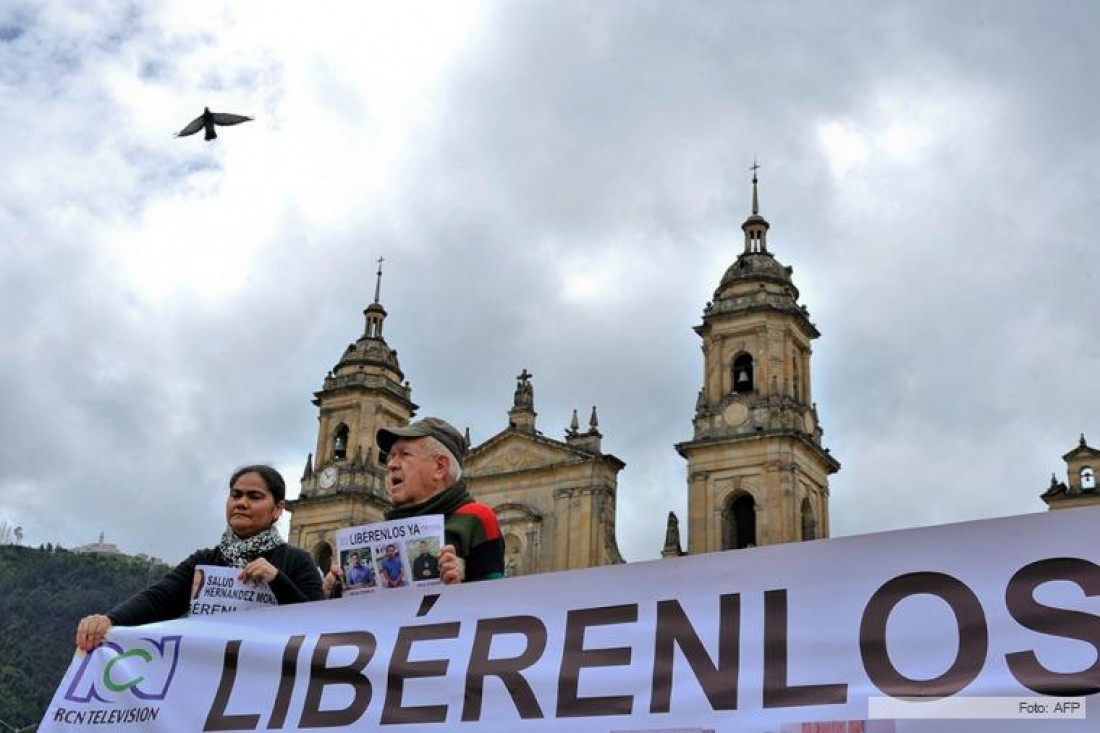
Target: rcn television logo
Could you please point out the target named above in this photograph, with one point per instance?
(112, 673)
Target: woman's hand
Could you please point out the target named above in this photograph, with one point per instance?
(258, 569)
(452, 568)
(91, 630)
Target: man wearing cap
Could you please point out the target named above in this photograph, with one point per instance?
(424, 471)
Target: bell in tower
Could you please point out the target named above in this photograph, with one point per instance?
(757, 472)
(340, 444)
(742, 374)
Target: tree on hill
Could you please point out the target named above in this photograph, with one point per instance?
(43, 594)
(10, 534)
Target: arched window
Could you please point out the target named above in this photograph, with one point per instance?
(340, 443)
(743, 379)
(322, 555)
(809, 524)
(739, 523)
(513, 556)
(1088, 479)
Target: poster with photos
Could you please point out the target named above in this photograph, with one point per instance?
(216, 589)
(396, 554)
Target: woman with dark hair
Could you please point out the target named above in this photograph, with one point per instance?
(250, 542)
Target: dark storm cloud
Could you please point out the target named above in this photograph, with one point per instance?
(937, 293)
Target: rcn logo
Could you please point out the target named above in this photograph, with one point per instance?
(111, 673)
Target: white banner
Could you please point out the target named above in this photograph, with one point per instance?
(795, 638)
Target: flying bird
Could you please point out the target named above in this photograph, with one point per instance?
(208, 119)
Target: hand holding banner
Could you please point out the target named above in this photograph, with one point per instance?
(392, 554)
(217, 589)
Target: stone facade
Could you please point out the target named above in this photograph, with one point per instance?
(1082, 465)
(555, 499)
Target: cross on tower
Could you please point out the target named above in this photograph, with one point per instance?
(378, 282)
(755, 197)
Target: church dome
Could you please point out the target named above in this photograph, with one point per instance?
(757, 265)
(370, 352)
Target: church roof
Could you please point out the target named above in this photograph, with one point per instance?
(1083, 450)
(756, 264)
(371, 350)
(1056, 488)
(513, 434)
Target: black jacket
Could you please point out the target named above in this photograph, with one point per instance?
(298, 581)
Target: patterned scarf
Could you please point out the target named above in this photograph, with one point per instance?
(238, 552)
(444, 502)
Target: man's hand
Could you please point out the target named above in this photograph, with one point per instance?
(258, 569)
(452, 568)
(334, 576)
(91, 630)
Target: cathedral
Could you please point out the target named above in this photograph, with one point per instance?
(757, 473)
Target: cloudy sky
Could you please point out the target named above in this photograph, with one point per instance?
(555, 186)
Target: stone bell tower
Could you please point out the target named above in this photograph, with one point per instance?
(344, 483)
(757, 472)
(1082, 463)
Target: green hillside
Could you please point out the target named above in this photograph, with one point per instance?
(43, 593)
